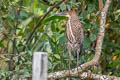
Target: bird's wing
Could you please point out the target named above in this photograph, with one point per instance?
(77, 31)
(69, 33)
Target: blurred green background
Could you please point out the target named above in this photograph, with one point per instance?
(19, 17)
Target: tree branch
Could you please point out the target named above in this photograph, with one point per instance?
(86, 75)
(95, 60)
(39, 22)
(100, 4)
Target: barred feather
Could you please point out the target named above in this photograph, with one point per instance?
(74, 33)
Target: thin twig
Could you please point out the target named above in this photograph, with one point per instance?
(39, 22)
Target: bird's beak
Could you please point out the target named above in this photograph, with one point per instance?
(61, 14)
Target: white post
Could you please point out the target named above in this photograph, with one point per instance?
(40, 66)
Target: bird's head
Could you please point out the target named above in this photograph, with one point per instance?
(68, 14)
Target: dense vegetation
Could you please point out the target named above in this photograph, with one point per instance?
(18, 18)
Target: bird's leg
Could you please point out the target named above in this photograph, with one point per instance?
(69, 60)
(78, 58)
(78, 61)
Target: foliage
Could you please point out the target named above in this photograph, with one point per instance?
(18, 18)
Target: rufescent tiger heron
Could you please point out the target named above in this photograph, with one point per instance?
(74, 33)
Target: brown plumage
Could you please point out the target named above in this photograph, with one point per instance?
(74, 33)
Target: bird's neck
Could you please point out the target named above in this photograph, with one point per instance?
(74, 18)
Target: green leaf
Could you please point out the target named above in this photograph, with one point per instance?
(34, 3)
(114, 63)
(1, 45)
(25, 22)
(53, 18)
(51, 44)
(38, 12)
(1, 27)
(27, 2)
(10, 47)
(87, 42)
(57, 56)
(92, 37)
(15, 59)
(83, 15)
(117, 52)
(23, 14)
(91, 7)
(39, 45)
(61, 38)
(17, 68)
(62, 7)
(117, 11)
